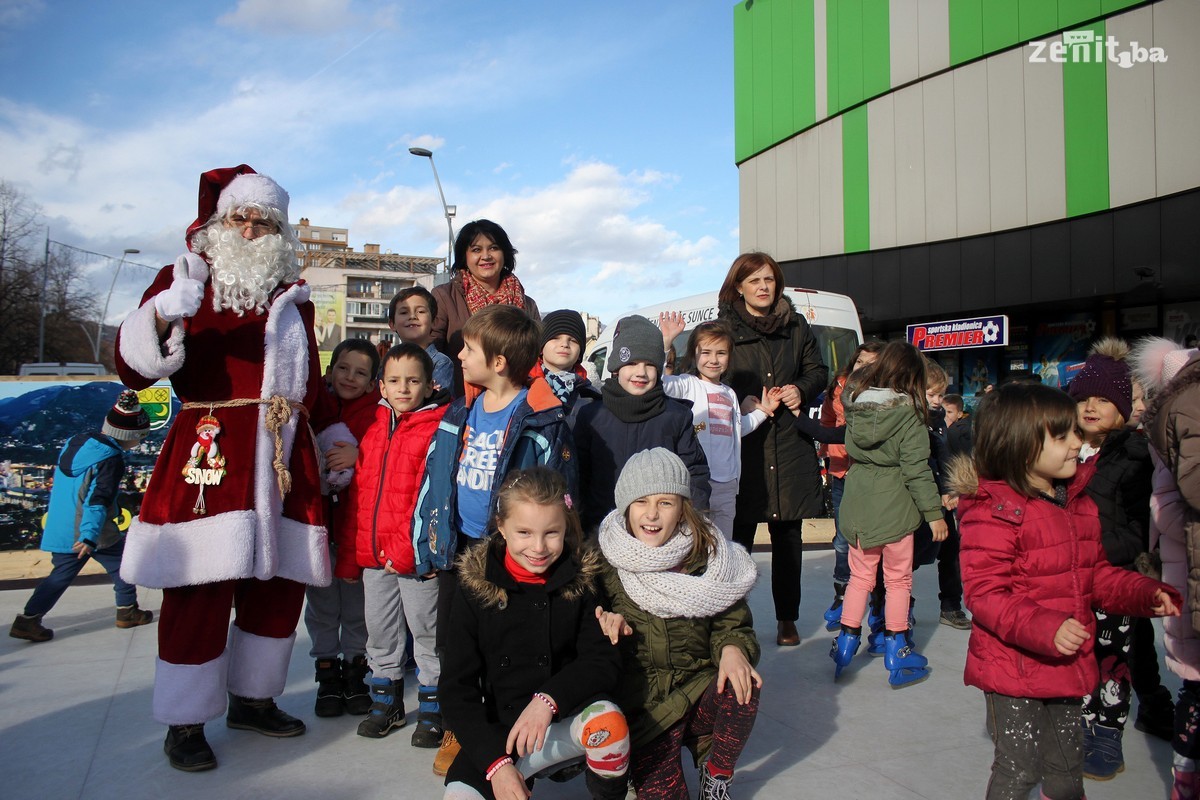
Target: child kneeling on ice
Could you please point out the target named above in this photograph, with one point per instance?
(674, 579)
(526, 667)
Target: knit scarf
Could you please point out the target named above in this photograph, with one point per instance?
(633, 407)
(561, 383)
(780, 315)
(510, 293)
(649, 576)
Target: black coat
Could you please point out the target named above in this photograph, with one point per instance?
(1121, 490)
(506, 640)
(604, 444)
(781, 479)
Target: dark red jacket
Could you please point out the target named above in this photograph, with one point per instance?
(391, 463)
(1028, 565)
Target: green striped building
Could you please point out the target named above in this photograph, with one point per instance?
(941, 158)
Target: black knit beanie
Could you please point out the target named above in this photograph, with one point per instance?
(556, 323)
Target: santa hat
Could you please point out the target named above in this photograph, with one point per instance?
(126, 421)
(230, 188)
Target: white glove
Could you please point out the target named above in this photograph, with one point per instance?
(185, 294)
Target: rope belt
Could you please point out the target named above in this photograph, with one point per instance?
(279, 413)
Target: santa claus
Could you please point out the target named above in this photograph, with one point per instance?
(232, 327)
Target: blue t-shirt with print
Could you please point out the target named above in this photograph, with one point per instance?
(483, 441)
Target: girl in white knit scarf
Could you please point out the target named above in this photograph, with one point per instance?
(677, 583)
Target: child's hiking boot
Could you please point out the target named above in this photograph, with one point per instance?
(955, 619)
(833, 615)
(261, 716)
(356, 695)
(905, 666)
(429, 719)
(1156, 714)
(30, 629)
(844, 648)
(1103, 758)
(713, 787)
(131, 616)
(387, 709)
(446, 754)
(329, 688)
(607, 787)
(187, 749)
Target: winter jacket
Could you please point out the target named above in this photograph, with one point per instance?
(391, 463)
(604, 443)
(889, 487)
(960, 437)
(1173, 425)
(669, 663)
(452, 314)
(1120, 488)
(83, 502)
(1028, 565)
(507, 640)
(781, 479)
(537, 436)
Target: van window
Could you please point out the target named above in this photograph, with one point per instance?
(597, 359)
(836, 345)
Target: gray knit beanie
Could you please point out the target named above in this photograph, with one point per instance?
(636, 339)
(657, 471)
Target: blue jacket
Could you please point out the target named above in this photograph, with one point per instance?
(83, 502)
(605, 443)
(537, 436)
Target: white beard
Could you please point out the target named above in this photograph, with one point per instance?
(245, 272)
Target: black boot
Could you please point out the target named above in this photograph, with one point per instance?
(187, 749)
(429, 719)
(602, 788)
(262, 716)
(329, 688)
(1156, 714)
(387, 709)
(355, 694)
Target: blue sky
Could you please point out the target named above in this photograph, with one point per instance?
(598, 133)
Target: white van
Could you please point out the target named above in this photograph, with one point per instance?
(832, 317)
(62, 368)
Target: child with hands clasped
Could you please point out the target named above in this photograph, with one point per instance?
(889, 490)
(526, 666)
(717, 419)
(677, 590)
(1033, 571)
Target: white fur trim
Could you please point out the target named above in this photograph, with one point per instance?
(258, 665)
(141, 348)
(337, 432)
(334, 481)
(222, 548)
(185, 694)
(253, 189)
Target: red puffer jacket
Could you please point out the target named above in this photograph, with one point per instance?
(1027, 566)
(391, 463)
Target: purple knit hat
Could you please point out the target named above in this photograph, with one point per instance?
(1105, 377)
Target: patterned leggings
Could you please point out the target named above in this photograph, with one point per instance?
(1108, 705)
(656, 768)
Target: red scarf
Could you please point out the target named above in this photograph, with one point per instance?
(510, 293)
(519, 573)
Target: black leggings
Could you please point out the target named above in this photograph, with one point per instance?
(787, 558)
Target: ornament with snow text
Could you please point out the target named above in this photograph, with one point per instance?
(205, 465)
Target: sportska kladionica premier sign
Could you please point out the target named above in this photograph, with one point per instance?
(959, 334)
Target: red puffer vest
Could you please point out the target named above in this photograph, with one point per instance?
(1028, 565)
(391, 463)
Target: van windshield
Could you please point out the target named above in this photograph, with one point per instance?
(836, 344)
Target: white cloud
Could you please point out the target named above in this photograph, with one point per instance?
(426, 140)
(295, 16)
(16, 13)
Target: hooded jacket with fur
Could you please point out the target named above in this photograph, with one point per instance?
(507, 640)
(889, 487)
(1029, 565)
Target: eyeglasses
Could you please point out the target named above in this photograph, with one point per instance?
(261, 227)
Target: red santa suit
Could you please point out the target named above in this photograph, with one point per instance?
(252, 547)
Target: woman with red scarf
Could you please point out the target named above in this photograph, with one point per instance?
(484, 260)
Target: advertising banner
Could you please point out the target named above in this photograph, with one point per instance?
(959, 334)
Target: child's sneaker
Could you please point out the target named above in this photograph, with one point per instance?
(713, 787)
(956, 619)
(30, 629)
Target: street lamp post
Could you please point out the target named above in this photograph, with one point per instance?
(129, 251)
(449, 211)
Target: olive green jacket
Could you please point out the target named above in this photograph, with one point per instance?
(668, 663)
(890, 487)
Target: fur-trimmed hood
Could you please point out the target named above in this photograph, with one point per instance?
(1152, 369)
(481, 572)
(876, 415)
(961, 477)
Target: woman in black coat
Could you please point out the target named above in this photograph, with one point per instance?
(781, 480)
